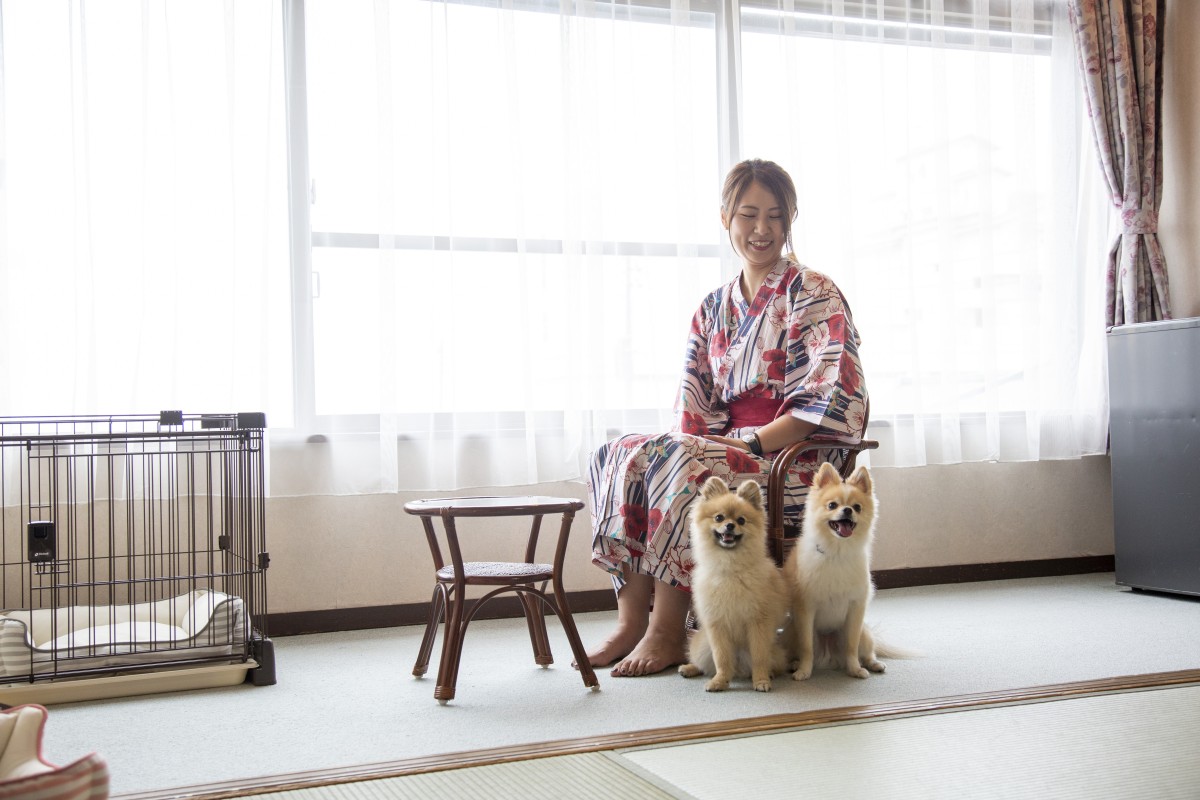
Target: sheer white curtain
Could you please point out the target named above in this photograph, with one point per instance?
(935, 148)
(504, 214)
(514, 216)
(143, 260)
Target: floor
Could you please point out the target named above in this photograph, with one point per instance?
(1131, 744)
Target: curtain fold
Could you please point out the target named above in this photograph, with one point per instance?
(1120, 50)
(143, 226)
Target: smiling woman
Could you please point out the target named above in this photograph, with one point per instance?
(772, 358)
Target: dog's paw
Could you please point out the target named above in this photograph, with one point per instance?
(856, 671)
(802, 674)
(690, 670)
(716, 685)
(875, 666)
(762, 685)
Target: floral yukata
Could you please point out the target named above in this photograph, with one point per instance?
(793, 350)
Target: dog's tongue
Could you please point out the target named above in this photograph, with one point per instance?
(844, 528)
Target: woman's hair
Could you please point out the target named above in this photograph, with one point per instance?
(773, 177)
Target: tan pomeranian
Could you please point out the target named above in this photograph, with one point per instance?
(829, 577)
(738, 593)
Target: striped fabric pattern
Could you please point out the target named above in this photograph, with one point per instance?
(25, 773)
(85, 779)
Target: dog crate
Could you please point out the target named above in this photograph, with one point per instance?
(133, 555)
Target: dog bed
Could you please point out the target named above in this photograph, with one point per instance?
(42, 642)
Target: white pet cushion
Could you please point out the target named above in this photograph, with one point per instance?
(199, 623)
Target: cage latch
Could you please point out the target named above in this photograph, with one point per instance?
(41, 541)
(264, 560)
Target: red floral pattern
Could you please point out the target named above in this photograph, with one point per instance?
(742, 462)
(693, 423)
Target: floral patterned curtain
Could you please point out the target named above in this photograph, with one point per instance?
(1120, 48)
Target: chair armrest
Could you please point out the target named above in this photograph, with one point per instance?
(789, 455)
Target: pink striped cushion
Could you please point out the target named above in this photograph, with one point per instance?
(85, 779)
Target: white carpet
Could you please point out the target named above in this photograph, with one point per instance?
(347, 699)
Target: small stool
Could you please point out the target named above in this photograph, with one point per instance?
(518, 577)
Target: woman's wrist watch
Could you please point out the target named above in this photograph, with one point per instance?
(752, 441)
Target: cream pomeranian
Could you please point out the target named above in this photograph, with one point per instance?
(738, 593)
(829, 578)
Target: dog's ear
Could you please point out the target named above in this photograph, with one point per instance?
(751, 492)
(714, 487)
(861, 477)
(826, 475)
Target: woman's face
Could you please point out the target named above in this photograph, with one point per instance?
(756, 227)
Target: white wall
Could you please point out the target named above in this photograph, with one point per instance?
(346, 552)
(1179, 217)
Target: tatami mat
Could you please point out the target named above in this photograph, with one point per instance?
(1130, 745)
(590, 776)
(1133, 745)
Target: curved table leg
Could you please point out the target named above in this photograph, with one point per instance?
(436, 606)
(535, 618)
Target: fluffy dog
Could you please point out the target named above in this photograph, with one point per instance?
(738, 593)
(829, 577)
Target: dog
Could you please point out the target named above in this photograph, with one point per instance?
(738, 593)
(829, 577)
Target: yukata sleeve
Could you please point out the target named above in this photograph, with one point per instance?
(698, 409)
(823, 378)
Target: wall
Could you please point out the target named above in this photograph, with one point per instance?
(347, 552)
(1179, 217)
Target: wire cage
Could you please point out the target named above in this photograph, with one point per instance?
(132, 544)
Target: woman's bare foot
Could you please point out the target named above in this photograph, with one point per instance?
(618, 645)
(653, 654)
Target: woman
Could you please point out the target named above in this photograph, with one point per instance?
(771, 358)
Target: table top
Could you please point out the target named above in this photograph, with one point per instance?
(519, 505)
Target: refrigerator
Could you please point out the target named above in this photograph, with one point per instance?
(1154, 442)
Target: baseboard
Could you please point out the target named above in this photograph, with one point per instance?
(1005, 570)
(293, 623)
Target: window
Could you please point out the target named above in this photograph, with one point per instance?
(504, 214)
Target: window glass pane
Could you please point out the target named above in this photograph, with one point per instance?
(549, 184)
(925, 180)
(465, 120)
(520, 327)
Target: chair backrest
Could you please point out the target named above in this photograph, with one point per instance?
(781, 536)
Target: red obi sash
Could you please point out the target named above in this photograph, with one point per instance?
(753, 412)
